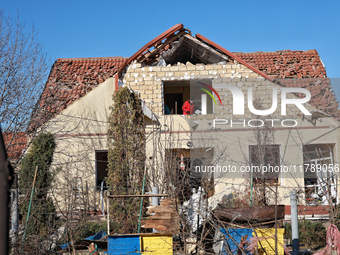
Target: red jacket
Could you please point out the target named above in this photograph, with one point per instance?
(188, 108)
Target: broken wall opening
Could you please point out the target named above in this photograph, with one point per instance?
(177, 92)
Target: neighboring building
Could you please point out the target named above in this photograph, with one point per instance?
(166, 72)
(16, 144)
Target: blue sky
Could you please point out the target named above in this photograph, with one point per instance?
(75, 28)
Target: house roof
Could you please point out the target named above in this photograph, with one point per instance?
(15, 144)
(70, 79)
(287, 63)
(167, 40)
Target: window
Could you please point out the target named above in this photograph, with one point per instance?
(265, 157)
(320, 180)
(101, 168)
(184, 176)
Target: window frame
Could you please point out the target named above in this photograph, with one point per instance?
(98, 187)
(278, 163)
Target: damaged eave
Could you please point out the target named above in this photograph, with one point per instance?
(148, 113)
(188, 48)
(150, 56)
(319, 114)
(153, 43)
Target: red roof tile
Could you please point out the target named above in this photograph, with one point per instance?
(298, 69)
(287, 63)
(15, 144)
(70, 79)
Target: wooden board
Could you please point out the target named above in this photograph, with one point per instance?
(252, 214)
(165, 218)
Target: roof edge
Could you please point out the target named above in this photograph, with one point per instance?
(277, 51)
(162, 36)
(89, 58)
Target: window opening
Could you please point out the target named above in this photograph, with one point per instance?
(101, 168)
(319, 174)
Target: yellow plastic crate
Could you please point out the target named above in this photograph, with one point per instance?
(269, 244)
(156, 244)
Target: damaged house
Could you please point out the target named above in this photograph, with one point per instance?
(168, 71)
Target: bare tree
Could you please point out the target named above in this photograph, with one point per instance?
(23, 69)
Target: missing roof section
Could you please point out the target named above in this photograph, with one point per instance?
(182, 48)
(188, 48)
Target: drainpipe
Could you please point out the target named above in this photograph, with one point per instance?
(116, 82)
(294, 220)
(154, 201)
(15, 216)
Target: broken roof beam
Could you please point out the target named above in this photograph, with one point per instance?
(195, 51)
(160, 46)
(202, 55)
(153, 42)
(193, 41)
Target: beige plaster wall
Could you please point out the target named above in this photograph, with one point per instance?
(80, 130)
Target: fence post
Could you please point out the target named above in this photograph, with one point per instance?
(294, 220)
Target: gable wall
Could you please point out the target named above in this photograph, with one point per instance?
(80, 130)
(148, 80)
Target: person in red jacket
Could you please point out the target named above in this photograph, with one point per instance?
(188, 106)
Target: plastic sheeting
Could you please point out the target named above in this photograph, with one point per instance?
(332, 238)
(233, 238)
(263, 239)
(95, 237)
(195, 209)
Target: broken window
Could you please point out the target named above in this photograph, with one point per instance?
(176, 93)
(319, 174)
(265, 161)
(101, 168)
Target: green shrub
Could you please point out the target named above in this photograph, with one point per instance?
(311, 233)
(42, 215)
(126, 156)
